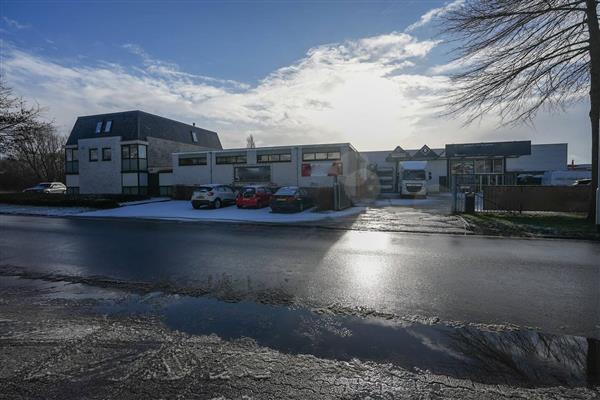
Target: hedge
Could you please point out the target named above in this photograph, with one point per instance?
(68, 200)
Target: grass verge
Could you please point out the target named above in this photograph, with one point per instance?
(563, 225)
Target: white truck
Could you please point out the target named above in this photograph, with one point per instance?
(414, 177)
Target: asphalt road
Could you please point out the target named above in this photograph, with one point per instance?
(549, 284)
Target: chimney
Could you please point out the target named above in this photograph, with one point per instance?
(193, 124)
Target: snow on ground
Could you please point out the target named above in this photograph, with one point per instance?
(183, 210)
(41, 210)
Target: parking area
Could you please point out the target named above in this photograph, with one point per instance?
(183, 210)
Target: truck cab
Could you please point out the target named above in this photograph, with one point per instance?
(413, 179)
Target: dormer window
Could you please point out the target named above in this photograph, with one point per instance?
(107, 126)
(99, 127)
(194, 137)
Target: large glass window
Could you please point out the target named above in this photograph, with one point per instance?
(462, 167)
(252, 174)
(72, 161)
(133, 158)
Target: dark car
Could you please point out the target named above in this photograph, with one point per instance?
(253, 196)
(290, 198)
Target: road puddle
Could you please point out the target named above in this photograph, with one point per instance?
(516, 357)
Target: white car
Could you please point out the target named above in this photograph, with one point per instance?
(213, 195)
(47, 187)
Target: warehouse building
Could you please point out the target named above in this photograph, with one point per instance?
(304, 165)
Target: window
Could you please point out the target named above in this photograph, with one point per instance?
(194, 137)
(231, 159)
(192, 160)
(135, 190)
(93, 154)
(108, 126)
(462, 167)
(279, 157)
(252, 174)
(133, 157)
(72, 190)
(106, 154)
(321, 156)
(498, 166)
(99, 127)
(72, 161)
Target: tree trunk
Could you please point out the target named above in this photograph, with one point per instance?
(594, 32)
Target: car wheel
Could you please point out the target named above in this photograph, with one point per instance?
(196, 206)
(301, 207)
(217, 203)
(239, 206)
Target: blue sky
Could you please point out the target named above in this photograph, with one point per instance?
(287, 72)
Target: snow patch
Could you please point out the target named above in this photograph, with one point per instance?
(183, 211)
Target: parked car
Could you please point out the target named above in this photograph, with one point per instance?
(213, 195)
(583, 182)
(253, 196)
(47, 187)
(290, 198)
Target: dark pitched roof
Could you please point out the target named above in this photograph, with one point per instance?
(425, 153)
(138, 125)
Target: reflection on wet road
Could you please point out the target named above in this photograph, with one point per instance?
(517, 358)
(550, 284)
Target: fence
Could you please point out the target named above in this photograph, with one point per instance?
(517, 198)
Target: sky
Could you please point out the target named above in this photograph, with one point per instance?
(372, 73)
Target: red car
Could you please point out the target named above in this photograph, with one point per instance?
(253, 196)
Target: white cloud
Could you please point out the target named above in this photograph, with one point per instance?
(361, 91)
(434, 13)
(14, 23)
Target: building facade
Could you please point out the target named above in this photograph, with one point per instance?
(125, 152)
(319, 165)
(474, 164)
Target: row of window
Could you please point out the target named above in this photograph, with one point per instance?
(227, 159)
(320, 156)
(269, 158)
(106, 154)
(260, 158)
(107, 126)
(196, 160)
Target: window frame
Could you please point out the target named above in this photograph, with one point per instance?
(140, 164)
(108, 126)
(201, 161)
(226, 159)
(287, 154)
(99, 127)
(194, 137)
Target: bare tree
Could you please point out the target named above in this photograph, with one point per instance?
(14, 114)
(250, 142)
(519, 56)
(38, 146)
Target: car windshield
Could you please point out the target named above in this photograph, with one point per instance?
(248, 190)
(414, 174)
(287, 191)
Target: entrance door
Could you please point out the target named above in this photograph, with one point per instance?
(153, 185)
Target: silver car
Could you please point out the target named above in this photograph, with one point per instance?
(47, 187)
(213, 195)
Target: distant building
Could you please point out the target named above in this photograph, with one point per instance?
(124, 152)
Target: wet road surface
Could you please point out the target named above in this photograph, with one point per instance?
(549, 284)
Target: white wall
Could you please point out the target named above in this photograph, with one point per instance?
(100, 176)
